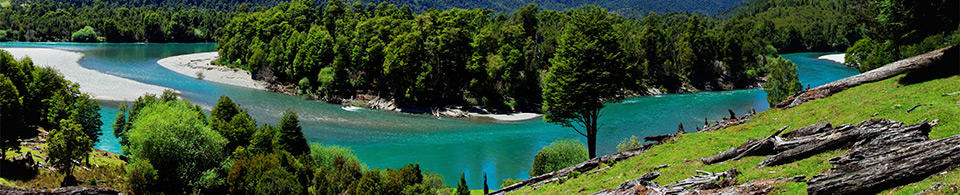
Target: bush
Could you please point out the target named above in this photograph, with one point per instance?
(86, 34)
(782, 82)
(174, 137)
(508, 182)
(262, 174)
(629, 143)
(140, 174)
(558, 155)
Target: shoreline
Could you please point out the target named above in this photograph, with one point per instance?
(833, 57)
(197, 65)
(101, 86)
(191, 64)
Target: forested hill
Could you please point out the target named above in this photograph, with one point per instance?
(622, 7)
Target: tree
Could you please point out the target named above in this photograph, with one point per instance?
(66, 144)
(782, 81)
(462, 188)
(290, 137)
(175, 139)
(232, 123)
(86, 34)
(587, 71)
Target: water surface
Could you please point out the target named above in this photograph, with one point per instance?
(447, 146)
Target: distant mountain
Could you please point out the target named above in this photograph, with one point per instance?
(622, 7)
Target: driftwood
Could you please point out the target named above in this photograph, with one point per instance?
(693, 185)
(944, 57)
(918, 105)
(582, 167)
(727, 122)
(938, 187)
(883, 154)
(762, 146)
(818, 138)
(881, 166)
(65, 190)
(660, 138)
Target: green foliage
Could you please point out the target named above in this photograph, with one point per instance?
(66, 144)
(128, 115)
(34, 96)
(290, 134)
(265, 173)
(558, 155)
(587, 71)
(86, 34)
(462, 188)
(174, 137)
(782, 82)
(629, 143)
(140, 176)
(76, 20)
(232, 123)
(3, 36)
(508, 182)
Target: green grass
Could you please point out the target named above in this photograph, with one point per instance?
(889, 98)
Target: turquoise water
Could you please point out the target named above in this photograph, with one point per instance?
(447, 146)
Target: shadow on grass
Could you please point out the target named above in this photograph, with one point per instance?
(948, 65)
(18, 170)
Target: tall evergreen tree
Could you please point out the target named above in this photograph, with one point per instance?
(587, 71)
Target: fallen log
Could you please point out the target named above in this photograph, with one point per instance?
(942, 57)
(581, 167)
(869, 132)
(693, 185)
(872, 172)
(762, 146)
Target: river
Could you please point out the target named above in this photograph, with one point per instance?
(447, 146)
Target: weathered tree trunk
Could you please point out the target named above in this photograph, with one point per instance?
(942, 57)
(762, 146)
(871, 172)
(693, 185)
(582, 167)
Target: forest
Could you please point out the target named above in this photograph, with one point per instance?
(480, 57)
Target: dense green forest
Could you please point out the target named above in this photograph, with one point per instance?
(198, 21)
(476, 57)
(51, 21)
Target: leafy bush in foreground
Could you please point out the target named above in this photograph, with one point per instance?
(558, 155)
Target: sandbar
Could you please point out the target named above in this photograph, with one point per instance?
(100, 85)
(833, 57)
(197, 65)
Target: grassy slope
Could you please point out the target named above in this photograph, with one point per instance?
(889, 98)
(110, 171)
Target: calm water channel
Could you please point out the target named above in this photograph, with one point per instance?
(447, 146)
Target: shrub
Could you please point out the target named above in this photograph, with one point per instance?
(508, 182)
(782, 82)
(558, 155)
(86, 34)
(140, 174)
(629, 143)
(174, 137)
(262, 173)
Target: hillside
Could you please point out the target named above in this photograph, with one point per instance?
(892, 98)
